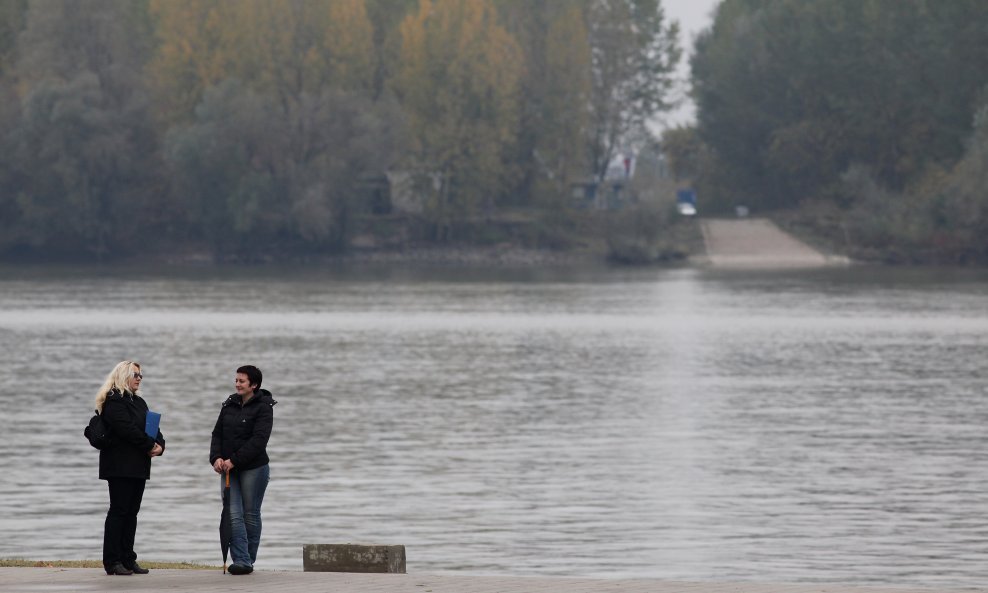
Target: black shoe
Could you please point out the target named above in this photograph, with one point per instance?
(119, 569)
(240, 569)
(136, 568)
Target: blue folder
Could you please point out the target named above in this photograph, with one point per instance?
(151, 424)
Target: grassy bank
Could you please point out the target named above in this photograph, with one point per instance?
(891, 236)
(21, 563)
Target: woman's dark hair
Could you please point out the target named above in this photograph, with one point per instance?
(253, 375)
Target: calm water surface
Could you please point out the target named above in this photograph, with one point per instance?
(679, 424)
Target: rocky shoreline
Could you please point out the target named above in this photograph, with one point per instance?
(474, 256)
(493, 256)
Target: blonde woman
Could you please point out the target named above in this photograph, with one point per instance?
(125, 465)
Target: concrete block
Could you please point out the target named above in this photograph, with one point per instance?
(352, 558)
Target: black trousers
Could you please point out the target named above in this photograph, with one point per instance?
(121, 520)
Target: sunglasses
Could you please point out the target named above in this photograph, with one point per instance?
(138, 376)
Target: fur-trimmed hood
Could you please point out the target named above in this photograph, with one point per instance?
(261, 395)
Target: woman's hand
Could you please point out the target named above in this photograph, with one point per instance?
(227, 465)
(156, 450)
(218, 466)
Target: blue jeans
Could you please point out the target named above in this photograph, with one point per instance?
(246, 494)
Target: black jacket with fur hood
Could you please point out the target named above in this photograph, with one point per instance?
(242, 431)
(125, 414)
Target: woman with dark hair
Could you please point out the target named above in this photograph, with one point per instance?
(125, 465)
(238, 448)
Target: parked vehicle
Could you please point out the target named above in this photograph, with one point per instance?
(686, 202)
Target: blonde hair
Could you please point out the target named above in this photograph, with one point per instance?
(118, 379)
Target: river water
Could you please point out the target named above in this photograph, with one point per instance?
(683, 424)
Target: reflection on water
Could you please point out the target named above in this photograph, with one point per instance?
(679, 424)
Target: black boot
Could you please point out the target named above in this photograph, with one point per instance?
(119, 569)
(136, 568)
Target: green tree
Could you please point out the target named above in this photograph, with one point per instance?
(385, 17)
(288, 47)
(257, 178)
(791, 94)
(12, 17)
(565, 113)
(634, 53)
(458, 86)
(962, 205)
(187, 56)
(349, 44)
(283, 125)
(550, 151)
(683, 151)
(82, 148)
(220, 168)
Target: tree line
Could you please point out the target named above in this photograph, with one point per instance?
(870, 116)
(243, 126)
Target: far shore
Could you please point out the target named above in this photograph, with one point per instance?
(451, 257)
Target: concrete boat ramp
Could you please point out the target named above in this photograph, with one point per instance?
(758, 243)
(26, 580)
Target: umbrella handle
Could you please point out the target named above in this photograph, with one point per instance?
(228, 487)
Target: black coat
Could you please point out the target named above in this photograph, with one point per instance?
(124, 414)
(242, 431)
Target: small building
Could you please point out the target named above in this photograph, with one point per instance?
(593, 195)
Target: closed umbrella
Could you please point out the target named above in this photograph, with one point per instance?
(225, 528)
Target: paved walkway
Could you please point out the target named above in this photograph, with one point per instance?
(26, 580)
(758, 243)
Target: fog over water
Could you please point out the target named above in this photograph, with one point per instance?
(679, 424)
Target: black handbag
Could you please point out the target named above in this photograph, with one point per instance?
(98, 432)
